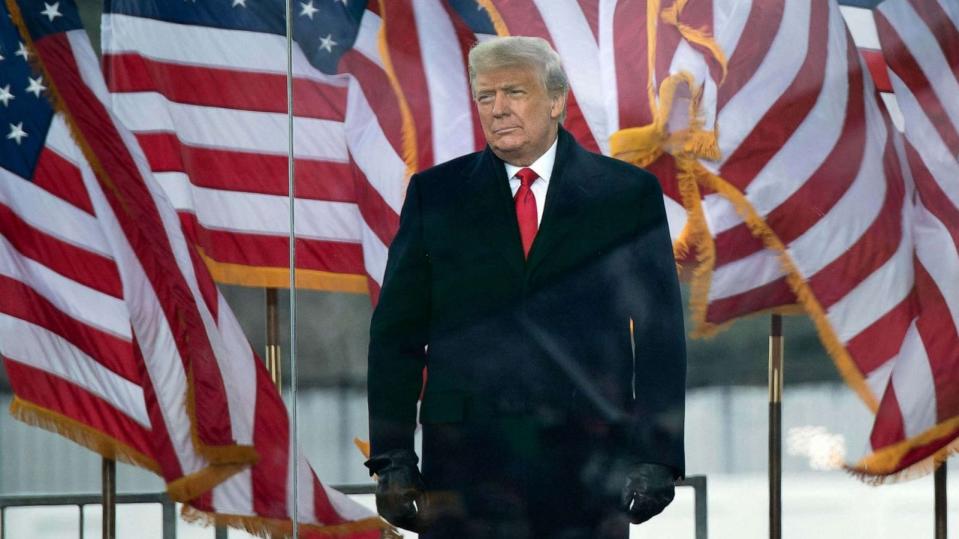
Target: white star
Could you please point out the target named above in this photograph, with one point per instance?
(22, 51)
(52, 12)
(6, 95)
(307, 9)
(36, 85)
(327, 43)
(17, 133)
(241, 3)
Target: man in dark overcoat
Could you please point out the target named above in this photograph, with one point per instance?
(536, 283)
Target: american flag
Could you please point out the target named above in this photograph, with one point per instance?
(112, 331)
(761, 119)
(203, 87)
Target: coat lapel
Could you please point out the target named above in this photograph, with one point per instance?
(565, 199)
(491, 205)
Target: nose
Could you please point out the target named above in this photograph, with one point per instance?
(500, 105)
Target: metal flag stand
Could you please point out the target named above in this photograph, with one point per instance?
(108, 475)
(940, 482)
(775, 425)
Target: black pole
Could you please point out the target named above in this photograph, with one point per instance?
(940, 480)
(109, 485)
(775, 425)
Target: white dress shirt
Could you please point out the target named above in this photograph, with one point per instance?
(543, 167)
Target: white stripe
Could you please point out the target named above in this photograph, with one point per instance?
(304, 487)
(372, 152)
(927, 142)
(729, 21)
(91, 307)
(240, 50)
(367, 37)
(446, 79)
(689, 60)
(374, 255)
(877, 294)
(607, 64)
(161, 357)
(878, 379)
(862, 26)
(231, 129)
(811, 143)
(743, 275)
(776, 73)
(238, 366)
(42, 349)
(675, 216)
(88, 65)
(921, 44)
(915, 389)
(36, 205)
(577, 47)
(257, 213)
(234, 496)
(936, 250)
(862, 203)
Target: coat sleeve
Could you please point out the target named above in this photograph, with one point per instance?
(655, 428)
(398, 334)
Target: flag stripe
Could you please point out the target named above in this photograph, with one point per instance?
(224, 88)
(59, 177)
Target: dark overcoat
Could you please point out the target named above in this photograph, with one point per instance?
(536, 385)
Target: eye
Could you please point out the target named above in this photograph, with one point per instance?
(484, 98)
(516, 92)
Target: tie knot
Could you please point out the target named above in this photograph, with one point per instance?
(526, 177)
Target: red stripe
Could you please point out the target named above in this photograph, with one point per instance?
(774, 294)
(888, 427)
(226, 88)
(664, 168)
(273, 251)
(762, 26)
(405, 54)
(880, 342)
(632, 76)
(377, 214)
(207, 287)
(877, 68)
(374, 290)
(54, 393)
(522, 19)
(780, 122)
(821, 191)
(702, 18)
(908, 69)
(877, 245)
(85, 267)
(942, 29)
(322, 507)
(61, 178)
(23, 302)
(466, 39)
(271, 437)
(937, 329)
(140, 222)
(923, 452)
(379, 94)
(248, 172)
(931, 194)
(590, 9)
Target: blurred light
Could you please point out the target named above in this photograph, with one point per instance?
(825, 450)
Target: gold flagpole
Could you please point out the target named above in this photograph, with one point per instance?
(273, 339)
(940, 482)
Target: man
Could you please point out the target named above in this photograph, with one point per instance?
(514, 278)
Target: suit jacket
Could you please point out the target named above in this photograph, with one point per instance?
(546, 338)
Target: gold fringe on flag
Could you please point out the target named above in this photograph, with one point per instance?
(275, 527)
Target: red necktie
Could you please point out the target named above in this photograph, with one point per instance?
(526, 208)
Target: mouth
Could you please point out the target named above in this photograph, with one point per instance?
(504, 130)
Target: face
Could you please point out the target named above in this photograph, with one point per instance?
(518, 116)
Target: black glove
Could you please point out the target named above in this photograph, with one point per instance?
(400, 492)
(648, 490)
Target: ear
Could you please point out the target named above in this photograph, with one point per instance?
(557, 105)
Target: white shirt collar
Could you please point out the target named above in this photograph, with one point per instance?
(543, 166)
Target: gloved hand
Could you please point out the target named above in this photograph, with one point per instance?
(648, 490)
(400, 492)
